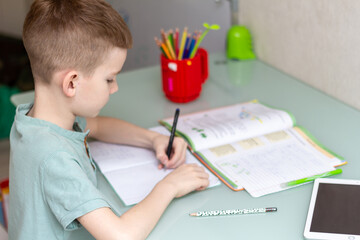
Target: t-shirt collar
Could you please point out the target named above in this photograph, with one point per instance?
(77, 133)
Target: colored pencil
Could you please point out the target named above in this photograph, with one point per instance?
(172, 41)
(163, 48)
(171, 50)
(187, 45)
(174, 49)
(192, 44)
(182, 44)
(201, 37)
(176, 41)
(163, 35)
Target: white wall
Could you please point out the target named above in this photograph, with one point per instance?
(317, 42)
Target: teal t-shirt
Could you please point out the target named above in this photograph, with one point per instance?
(52, 179)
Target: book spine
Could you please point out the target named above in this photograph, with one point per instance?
(179, 134)
(212, 169)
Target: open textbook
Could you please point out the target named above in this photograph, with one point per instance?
(253, 146)
(132, 171)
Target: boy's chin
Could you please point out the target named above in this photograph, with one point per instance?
(94, 115)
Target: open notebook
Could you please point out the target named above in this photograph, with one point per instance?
(253, 146)
(131, 171)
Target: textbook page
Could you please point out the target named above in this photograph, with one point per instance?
(132, 171)
(228, 124)
(261, 164)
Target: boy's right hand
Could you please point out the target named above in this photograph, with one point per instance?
(185, 179)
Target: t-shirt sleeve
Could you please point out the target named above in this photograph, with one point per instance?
(68, 190)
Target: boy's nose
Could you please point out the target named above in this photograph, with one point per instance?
(114, 88)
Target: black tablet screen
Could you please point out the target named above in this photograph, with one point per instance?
(337, 209)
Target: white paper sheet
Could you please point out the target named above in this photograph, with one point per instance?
(133, 172)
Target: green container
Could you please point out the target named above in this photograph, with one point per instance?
(7, 110)
(239, 45)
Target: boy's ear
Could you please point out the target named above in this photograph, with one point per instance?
(70, 83)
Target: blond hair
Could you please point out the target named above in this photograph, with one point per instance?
(71, 34)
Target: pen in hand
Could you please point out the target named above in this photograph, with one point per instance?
(172, 135)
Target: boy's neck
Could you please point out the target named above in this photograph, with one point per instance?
(52, 107)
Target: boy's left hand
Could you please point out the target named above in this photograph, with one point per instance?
(178, 152)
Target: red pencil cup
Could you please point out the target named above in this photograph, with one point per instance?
(182, 79)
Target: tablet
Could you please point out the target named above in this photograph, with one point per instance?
(334, 211)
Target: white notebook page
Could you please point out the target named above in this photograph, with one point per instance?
(133, 172)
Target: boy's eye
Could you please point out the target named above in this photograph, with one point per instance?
(110, 80)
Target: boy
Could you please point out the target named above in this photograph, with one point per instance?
(76, 49)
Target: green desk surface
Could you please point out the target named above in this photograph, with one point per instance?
(140, 100)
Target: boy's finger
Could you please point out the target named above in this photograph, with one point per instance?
(164, 162)
(204, 185)
(178, 158)
(176, 161)
(161, 166)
